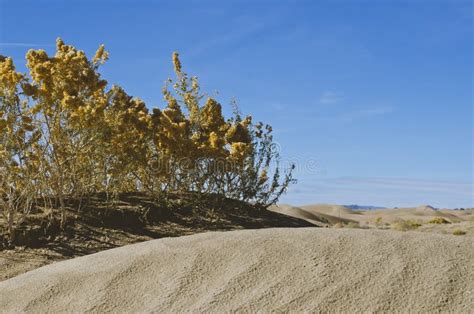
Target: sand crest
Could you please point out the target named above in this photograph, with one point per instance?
(270, 269)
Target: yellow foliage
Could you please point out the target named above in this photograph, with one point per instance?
(64, 131)
(405, 225)
(438, 220)
(176, 62)
(459, 232)
(239, 151)
(101, 56)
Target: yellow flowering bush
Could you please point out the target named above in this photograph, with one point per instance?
(68, 100)
(64, 133)
(18, 163)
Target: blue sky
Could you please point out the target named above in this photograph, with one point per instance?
(371, 99)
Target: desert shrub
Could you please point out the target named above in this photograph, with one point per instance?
(350, 224)
(65, 134)
(195, 148)
(438, 220)
(378, 222)
(405, 225)
(67, 99)
(354, 225)
(459, 232)
(18, 163)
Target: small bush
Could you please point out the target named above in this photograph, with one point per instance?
(439, 221)
(459, 232)
(351, 224)
(378, 222)
(405, 225)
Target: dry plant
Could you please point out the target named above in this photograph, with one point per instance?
(351, 224)
(378, 222)
(405, 225)
(458, 232)
(439, 220)
(65, 134)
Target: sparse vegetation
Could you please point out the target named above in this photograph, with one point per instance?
(439, 220)
(405, 225)
(355, 225)
(458, 232)
(351, 224)
(378, 222)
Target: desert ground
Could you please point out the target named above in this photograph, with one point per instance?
(423, 218)
(132, 218)
(280, 269)
(309, 258)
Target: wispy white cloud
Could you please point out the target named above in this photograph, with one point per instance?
(330, 97)
(389, 192)
(366, 113)
(397, 183)
(278, 107)
(245, 26)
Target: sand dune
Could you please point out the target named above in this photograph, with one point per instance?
(329, 209)
(316, 218)
(270, 269)
(326, 215)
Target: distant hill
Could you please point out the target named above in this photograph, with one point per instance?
(321, 215)
(363, 207)
(426, 208)
(328, 209)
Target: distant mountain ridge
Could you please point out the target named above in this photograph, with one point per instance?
(363, 207)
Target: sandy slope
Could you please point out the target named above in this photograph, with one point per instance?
(329, 215)
(281, 269)
(124, 224)
(329, 209)
(318, 218)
